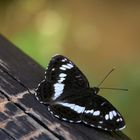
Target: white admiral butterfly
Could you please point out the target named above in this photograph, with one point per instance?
(66, 92)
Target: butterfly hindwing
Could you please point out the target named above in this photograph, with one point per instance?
(95, 111)
(66, 112)
(70, 108)
(101, 114)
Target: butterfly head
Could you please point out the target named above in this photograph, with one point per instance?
(96, 90)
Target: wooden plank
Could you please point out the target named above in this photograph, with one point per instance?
(20, 125)
(4, 135)
(19, 64)
(19, 76)
(2, 98)
(7, 85)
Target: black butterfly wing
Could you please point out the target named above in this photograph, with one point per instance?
(72, 107)
(66, 111)
(93, 110)
(61, 76)
(101, 114)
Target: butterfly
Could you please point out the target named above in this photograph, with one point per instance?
(67, 94)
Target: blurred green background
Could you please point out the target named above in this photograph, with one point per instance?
(96, 35)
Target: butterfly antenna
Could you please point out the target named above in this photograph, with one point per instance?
(114, 88)
(106, 76)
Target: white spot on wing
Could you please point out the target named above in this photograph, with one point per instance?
(66, 66)
(96, 113)
(85, 122)
(118, 120)
(122, 127)
(78, 121)
(100, 121)
(89, 111)
(64, 119)
(121, 119)
(99, 126)
(61, 80)
(70, 120)
(114, 113)
(106, 116)
(56, 116)
(62, 68)
(110, 115)
(58, 89)
(63, 60)
(62, 75)
(92, 125)
(70, 65)
(77, 108)
(48, 108)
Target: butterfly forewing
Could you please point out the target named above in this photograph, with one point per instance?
(60, 76)
(62, 70)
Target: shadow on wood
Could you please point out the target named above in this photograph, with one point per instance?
(22, 116)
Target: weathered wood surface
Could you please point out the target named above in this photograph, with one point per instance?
(21, 115)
